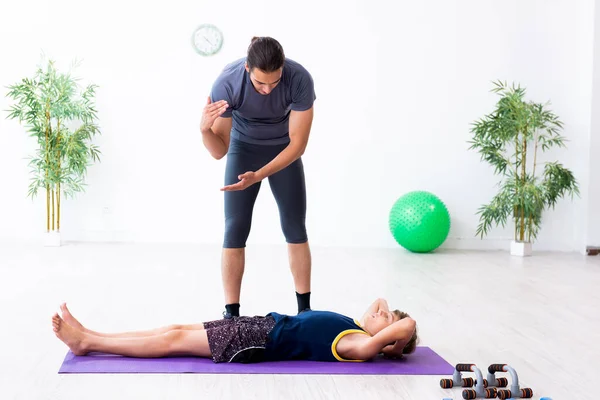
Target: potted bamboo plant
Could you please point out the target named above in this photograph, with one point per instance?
(509, 140)
(61, 117)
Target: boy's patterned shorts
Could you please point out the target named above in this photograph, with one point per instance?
(239, 339)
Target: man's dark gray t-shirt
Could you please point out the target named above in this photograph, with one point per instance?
(258, 118)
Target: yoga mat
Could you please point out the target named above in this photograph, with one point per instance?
(423, 361)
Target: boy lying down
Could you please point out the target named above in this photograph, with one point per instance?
(311, 335)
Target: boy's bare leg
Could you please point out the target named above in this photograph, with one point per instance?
(71, 320)
(172, 343)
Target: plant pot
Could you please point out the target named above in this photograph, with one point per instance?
(521, 249)
(52, 239)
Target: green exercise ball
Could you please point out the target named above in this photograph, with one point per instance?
(419, 221)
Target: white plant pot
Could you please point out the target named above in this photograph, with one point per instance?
(52, 239)
(521, 249)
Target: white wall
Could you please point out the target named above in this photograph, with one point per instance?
(398, 84)
(593, 204)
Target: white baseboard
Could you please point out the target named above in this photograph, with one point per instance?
(503, 244)
(452, 243)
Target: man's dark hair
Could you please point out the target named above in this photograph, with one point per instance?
(266, 54)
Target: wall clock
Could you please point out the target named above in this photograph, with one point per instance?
(207, 40)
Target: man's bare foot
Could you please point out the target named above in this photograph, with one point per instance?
(70, 319)
(69, 335)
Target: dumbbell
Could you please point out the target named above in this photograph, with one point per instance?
(515, 391)
(489, 393)
(457, 378)
(491, 376)
(525, 393)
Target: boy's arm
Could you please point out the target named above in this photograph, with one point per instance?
(379, 304)
(399, 332)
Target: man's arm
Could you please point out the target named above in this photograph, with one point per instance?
(400, 332)
(299, 126)
(216, 139)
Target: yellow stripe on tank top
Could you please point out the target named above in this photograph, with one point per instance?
(337, 339)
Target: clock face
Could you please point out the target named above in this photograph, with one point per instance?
(207, 39)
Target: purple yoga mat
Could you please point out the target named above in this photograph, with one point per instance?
(423, 361)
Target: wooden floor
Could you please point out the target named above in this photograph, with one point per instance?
(539, 315)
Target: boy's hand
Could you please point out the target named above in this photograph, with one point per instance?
(393, 351)
(383, 305)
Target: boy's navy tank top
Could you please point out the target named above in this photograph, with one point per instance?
(311, 335)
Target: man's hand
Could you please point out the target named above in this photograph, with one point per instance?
(211, 112)
(247, 179)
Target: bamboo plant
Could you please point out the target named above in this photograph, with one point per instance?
(62, 119)
(509, 139)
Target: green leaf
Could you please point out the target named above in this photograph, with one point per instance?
(47, 104)
(508, 139)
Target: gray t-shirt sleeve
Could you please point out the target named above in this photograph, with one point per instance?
(222, 90)
(303, 92)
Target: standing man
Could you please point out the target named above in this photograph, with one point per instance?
(259, 114)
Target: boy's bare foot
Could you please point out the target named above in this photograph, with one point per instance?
(70, 336)
(70, 319)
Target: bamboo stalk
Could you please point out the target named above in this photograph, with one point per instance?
(53, 204)
(523, 161)
(515, 214)
(47, 141)
(47, 206)
(53, 218)
(535, 147)
(58, 205)
(529, 231)
(522, 224)
(59, 176)
(515, 211)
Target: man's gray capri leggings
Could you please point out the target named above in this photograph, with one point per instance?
(288, 187)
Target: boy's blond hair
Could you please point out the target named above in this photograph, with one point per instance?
(412, 343)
